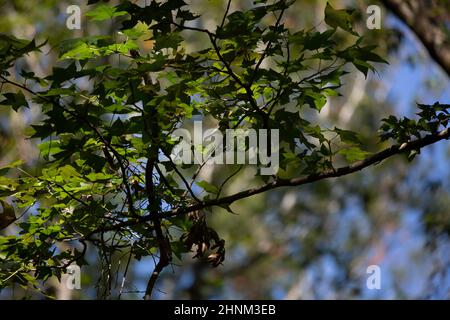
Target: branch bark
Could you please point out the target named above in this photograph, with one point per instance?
(342, 171)
(357, 166)
(151, 127)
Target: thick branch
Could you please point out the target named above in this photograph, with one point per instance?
(357, 166)
(151, 127)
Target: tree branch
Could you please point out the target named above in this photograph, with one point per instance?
(332, 173)
(342, 171)
(165, 254)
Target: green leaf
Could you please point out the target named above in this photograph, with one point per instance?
(139, 30)
(68, 172)
(82, 51)
(347, 136)
(207, 187)
(59, 92)
(362, 66)
(99, 176)
(15, 100)
(5, 169)
(122, 48)
(339, 18)
(49, 148)
(317, 39)
(227, 207)
(70, 44)
(168, 41)
(59, 75)
(354, 154)
(104, 12)
(315, 100)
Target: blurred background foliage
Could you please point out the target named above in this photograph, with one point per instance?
(312, 242)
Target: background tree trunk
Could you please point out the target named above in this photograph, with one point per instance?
(427, 19)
